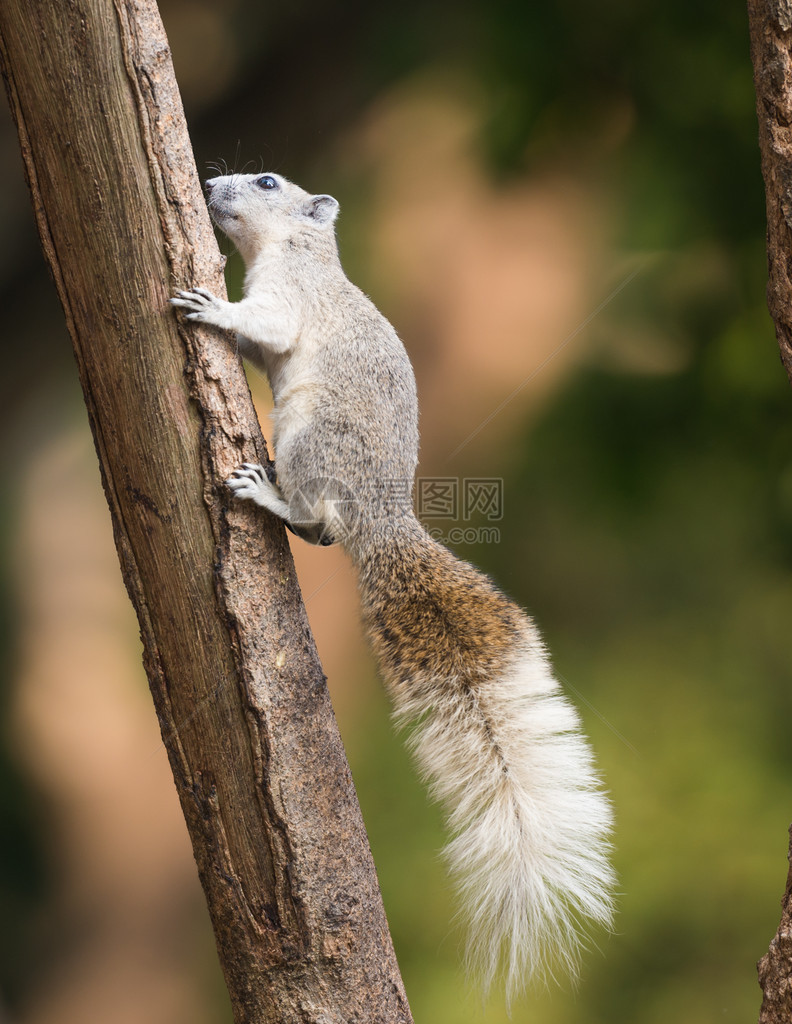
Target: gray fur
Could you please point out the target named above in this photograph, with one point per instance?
(498, 743)
(346, 410)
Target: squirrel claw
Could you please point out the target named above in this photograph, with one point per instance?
(197, 300)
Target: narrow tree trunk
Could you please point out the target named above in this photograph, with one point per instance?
(238, 689)
(775, 967)
(771, 52)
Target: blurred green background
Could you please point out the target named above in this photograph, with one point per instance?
(646, 453)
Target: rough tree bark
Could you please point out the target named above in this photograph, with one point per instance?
(771, 52)
(238, 689)
(775, 967)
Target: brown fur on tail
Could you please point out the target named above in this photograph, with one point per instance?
(428, 614)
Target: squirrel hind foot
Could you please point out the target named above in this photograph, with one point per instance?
(315, 533)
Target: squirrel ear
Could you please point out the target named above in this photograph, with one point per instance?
(322, 209)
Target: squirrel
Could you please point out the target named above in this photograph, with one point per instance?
(498, 743)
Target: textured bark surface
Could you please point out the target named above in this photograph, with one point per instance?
(775, 967)
(771, 52)
(240, 694)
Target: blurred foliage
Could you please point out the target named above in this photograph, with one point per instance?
(648, 512)
(24, 875)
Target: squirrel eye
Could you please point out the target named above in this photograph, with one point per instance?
(266, 181)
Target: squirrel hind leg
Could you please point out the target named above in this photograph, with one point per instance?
(315, 533)
(319, 513)
(323, 511)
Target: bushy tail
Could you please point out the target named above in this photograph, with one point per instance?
(502, 750)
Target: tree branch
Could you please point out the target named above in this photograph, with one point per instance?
(237, 686)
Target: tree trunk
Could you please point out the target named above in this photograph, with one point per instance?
(238, 689)
(771, 51)
(775, 967)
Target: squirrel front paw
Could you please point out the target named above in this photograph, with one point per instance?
(248, 480)
(202, 305)
(254, 483)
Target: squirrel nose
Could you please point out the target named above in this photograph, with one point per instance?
(209, 185)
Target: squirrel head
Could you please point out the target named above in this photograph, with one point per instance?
(257, 209)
